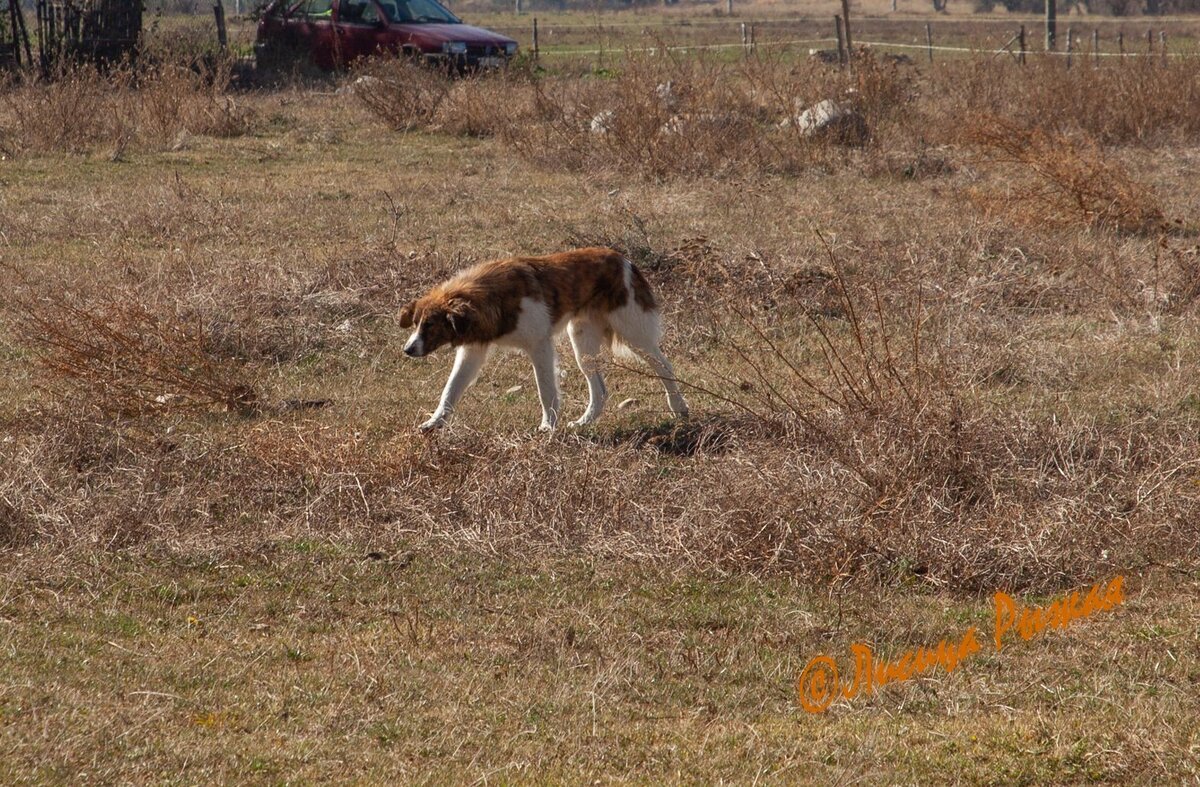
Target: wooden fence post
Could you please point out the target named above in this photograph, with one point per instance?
(1121, 44)
(729, 7)
(1021, 43)
(1162, 45)
(1096, 48)
(13, 8)
(837, 23)
(1051, 24)
(1070, 45)
(929, 41)
(222, 35)
(535, 39)
(849, 40)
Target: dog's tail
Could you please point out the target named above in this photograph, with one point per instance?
(638, 323)
(639, 288)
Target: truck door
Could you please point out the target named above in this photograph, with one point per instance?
(316, 28)
(360, 27)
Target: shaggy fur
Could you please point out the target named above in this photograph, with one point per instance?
(596, 294)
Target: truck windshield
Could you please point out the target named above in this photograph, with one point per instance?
(418, 11)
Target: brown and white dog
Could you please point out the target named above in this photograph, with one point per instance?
(524, 302)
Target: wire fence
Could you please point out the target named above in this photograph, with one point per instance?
(957, 37)
(726, 21)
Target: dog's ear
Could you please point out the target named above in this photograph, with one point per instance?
(406, 314)
(458, 314)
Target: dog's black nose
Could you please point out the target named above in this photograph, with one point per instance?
(411, 352)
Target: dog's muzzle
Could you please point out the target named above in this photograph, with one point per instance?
(415, 347)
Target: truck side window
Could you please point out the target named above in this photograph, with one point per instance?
(319, 9)
(362, 12)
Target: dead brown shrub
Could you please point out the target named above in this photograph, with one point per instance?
(172, 98)
(125, 360)
(480, 105)
(930, 482)
(403, 93)
(69, 115)
(81, 109)
(879, 394)
(1134, 100)
(659, 116)
(1061, 178)
(662, 116)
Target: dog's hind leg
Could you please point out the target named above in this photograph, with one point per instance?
(640, 330)
(662, 367)
(587, 339)
(467, 363)
(544, 371)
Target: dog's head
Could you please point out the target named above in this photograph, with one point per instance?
(437, 321)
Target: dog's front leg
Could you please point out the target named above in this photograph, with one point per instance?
(467, 363)
(544, 371)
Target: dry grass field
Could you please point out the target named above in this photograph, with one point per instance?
(956, 359)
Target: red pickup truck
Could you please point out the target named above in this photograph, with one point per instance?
(338, 32)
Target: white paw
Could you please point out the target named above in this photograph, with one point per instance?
(437, 422)
(546, 427)
(584, 421)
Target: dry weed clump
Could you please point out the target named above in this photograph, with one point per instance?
(1060, 178)
(68, 115)
(877, 395)
(882, 459)
(1138, 100)
(662, 116)
(126, 360)
(172, 98)
(659, 116)
(410, 96)
(81, 109)
(401, 92)
(277, 311)
(480, 105)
